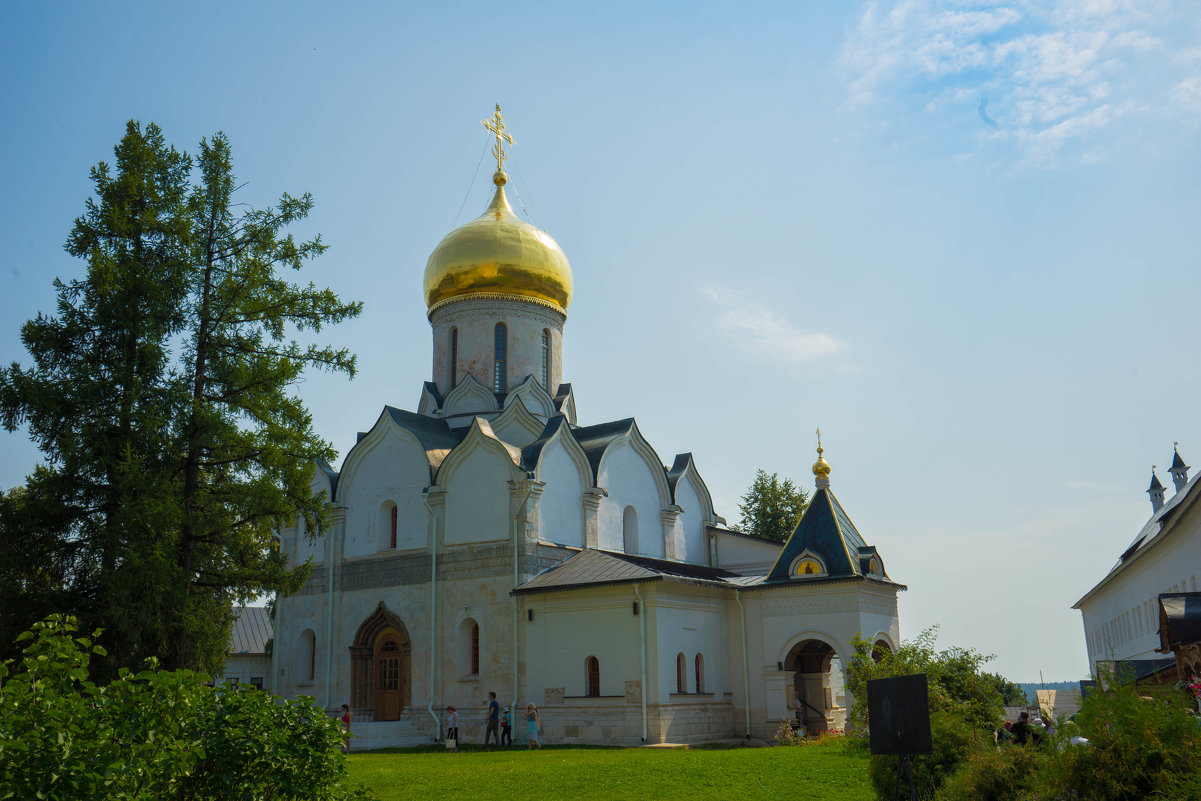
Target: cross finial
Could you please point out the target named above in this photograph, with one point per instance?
(497, 126)
(819, 441)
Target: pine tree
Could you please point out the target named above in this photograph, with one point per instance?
(159, 397)
(771, 508)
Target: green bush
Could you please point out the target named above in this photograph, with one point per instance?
(953, 741)
(995, 774)
(154, 734)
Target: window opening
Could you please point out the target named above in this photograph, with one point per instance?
(592, 670)
(700, 673)
(454, 357)
(681, 674)
(500, 348)
(475, 648)
(392, 536)
(546, 359)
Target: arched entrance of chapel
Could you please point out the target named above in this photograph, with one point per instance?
(816, 697)
(381, 663)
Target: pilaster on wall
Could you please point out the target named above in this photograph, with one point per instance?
(592, 499)
(435, 497)
(671, 520)
(526, 513)
(337, 534)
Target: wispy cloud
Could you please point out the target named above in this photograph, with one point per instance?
(760, 331)
(1055, 72)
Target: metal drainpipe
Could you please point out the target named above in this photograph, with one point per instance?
(516, 601)
(433, 612)
(746, 680)
(642, 626)
(329, 623)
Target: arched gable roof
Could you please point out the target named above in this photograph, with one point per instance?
(517, 415)
(684, 468)
(433, 437)
(479, 435)
(598, 440)
(565, 402)
(469, 397)
(533, 395)
(557, 430)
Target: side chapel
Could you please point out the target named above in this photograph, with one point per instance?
(489, 541)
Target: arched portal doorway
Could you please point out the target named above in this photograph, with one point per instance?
(381, 667)
(818, 692)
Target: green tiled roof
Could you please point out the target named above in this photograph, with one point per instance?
(826, 531)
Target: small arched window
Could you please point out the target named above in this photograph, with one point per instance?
(546, 359)
(681, 673)
(392, 530)
(475, 648)
(453, 362)
(700, 673)
(308, 655)
(629, 530)
(499, 354)
(592, 677)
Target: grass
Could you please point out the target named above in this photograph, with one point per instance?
(831, 770)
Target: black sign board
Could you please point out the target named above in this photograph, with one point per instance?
(898, 715)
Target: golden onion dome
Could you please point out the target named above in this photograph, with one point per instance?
(821, 468)
(498, 254)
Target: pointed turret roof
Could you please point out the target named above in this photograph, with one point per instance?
(826, 532)
(1177, 462)
(1155, 485)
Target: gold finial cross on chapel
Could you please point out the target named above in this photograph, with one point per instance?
(497, 126)
(819, 440)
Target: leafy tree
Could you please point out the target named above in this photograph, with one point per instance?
(153, 734)
(1011, 694)
(771, 508)
(160, 395)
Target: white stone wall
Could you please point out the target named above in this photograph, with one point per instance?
(567, 628)
(627, 477)
(477, 493)
(1121, 618)
(746, 556)
(689, 622)
(245, 667)
(387, 466)
(691, 547)
(561, 506)
(476, 319)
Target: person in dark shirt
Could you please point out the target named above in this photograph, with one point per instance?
(492, 721)
(1020, 731)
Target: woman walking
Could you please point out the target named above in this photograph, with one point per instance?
(452, 730)
(532, 721)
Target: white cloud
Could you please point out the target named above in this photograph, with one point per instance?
(757, 330)
(1057, 74)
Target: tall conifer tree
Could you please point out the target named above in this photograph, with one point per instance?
(159, 396)
(771, 508)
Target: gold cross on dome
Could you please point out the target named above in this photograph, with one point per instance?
(819, 440)
(497, 126)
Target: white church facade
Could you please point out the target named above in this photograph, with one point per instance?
(489, 541)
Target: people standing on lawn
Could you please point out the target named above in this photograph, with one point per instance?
(493, 720)
(345, 728)
(532, 720)
(452, 730)
(506, 728)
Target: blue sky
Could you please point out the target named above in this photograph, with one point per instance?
(960, 237)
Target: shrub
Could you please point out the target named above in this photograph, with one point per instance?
(786, 735)
(953, 741)
(154, 734)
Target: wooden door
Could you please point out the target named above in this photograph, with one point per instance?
(388, 680)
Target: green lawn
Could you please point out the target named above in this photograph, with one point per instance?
(834, 771)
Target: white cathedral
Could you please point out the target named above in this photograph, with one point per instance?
(491, 542)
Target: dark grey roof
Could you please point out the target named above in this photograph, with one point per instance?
(432, 389)
(435, 436)
(1155, 485)
(596, 439)
(531, 452)
(1177, 462)
(252, 629)
(677, 471)
(561, 395)
(827, 531)
(332, 475)
(594, 567)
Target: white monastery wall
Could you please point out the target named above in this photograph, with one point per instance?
(690, 624)
(746, 556)
(627, 477)
(561, 506)
(1121, 620)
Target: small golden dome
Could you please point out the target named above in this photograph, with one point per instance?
(498, 254)
(821, 468)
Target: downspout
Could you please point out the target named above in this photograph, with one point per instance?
(329, 623)
(746, 680)
(516, 600)
(433, 612)
(642, 643)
